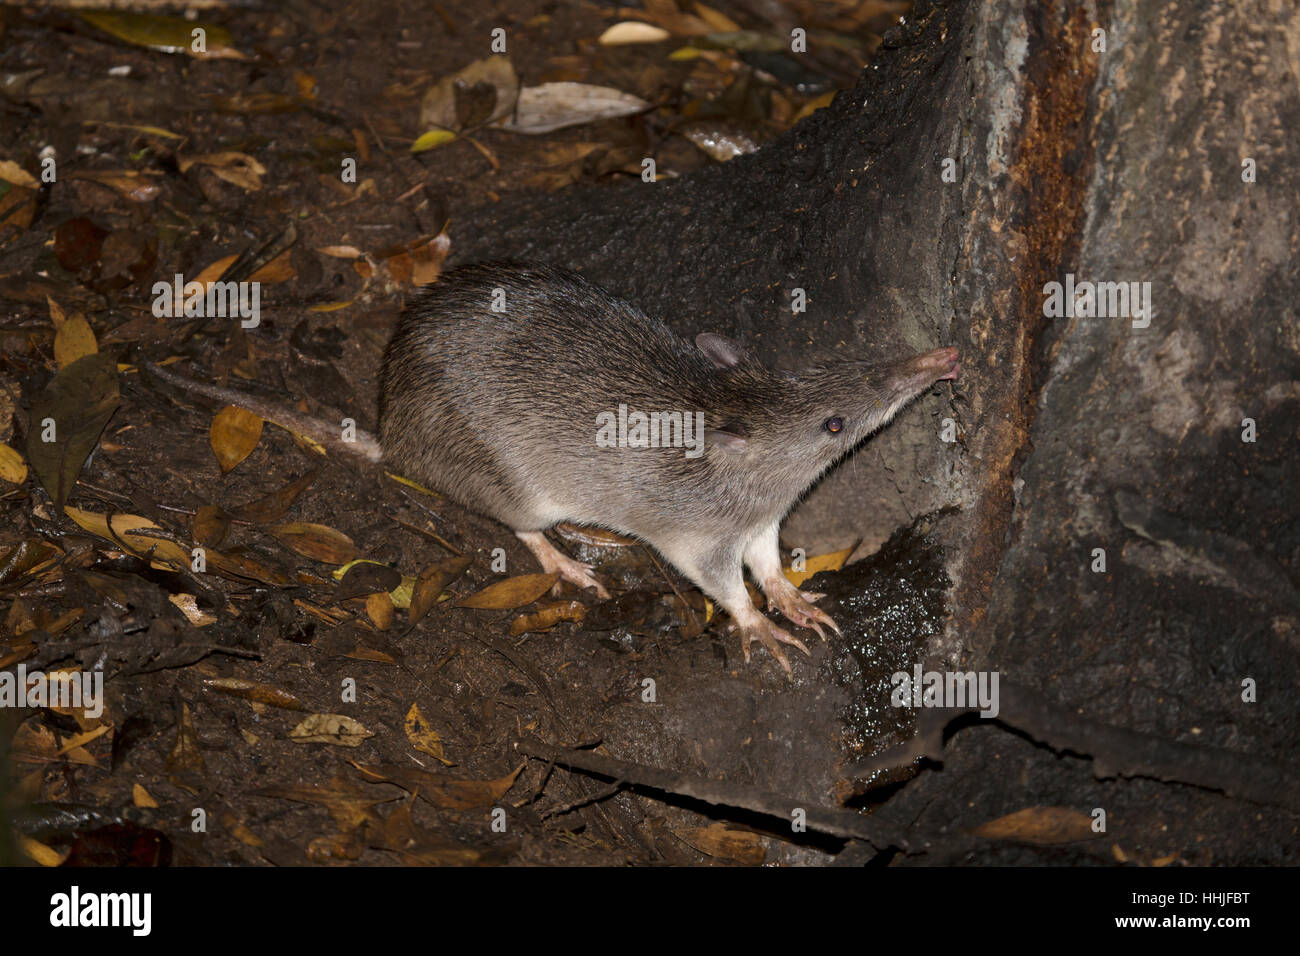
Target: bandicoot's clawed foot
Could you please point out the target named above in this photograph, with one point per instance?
(555, 561)
(758, 628)
(580, 575)
(797, 607)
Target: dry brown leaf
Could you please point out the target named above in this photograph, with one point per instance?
(80, 740)
(209, 525)
(279, 269)
(417, 262)
(510, 593)
(423, 737)
(234, 434)
(1041, 825)
(548, 616)
(277, 504)
(440, 790)
(379, 608)
(476, 94)
(717, 21)
(57, 315)
(186, 754)
(239, 169)
(239, 566)
(433, 580)
(341, 252)
(337, 729)
(141, 797)
(666, 14)
(596, 537)
(130, 184)
(720, 841)
(189, 606)
(33, 743)
(241, 832)
(349, 808)
(256, 691)
(316, 541)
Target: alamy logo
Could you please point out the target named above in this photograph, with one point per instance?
(1101, 300)
(242, 300)
(69, 690)
(976, 691)
(633, 429)
(75, 908)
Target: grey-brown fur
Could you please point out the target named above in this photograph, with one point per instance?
(499, 411)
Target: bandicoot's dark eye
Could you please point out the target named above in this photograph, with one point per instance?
(833, 425)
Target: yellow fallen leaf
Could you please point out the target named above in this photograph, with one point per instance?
(431, 139)
(126, 531)
(330, 306)
(57, 315)
(822, 562)
(411, 484)
(141, 797)
(73, 340)
(11, 172)
(717, 21)
(719, 840)
(510, 593)
(12, 467)
(431, 582)
(317, 541)
(548, 616)
(80, 740)
(330, 729)
(279, 269)
(151, 130)
(40, 853)
(237, 168)
(401, 594)
(1041, 825)
(167, 34)
(379, 608)
(423, 737)
(234, 434)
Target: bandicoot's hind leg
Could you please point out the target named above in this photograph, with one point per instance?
(721, 575)
(763, 556)
(555, 561)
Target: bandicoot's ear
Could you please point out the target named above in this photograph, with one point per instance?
(722, 351)
(731, 437)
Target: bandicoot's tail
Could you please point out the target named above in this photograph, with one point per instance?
(330, 435)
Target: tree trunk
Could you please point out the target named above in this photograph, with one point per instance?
(1164, 446)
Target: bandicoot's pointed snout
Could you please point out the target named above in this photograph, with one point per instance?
(942, 362)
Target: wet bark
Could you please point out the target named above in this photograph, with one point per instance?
(1078, 436)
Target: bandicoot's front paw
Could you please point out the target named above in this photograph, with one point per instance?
(759, 628)
(797, 607)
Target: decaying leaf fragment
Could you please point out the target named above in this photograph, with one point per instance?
(510, 593)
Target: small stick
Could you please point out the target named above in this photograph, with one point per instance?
(833, 820)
